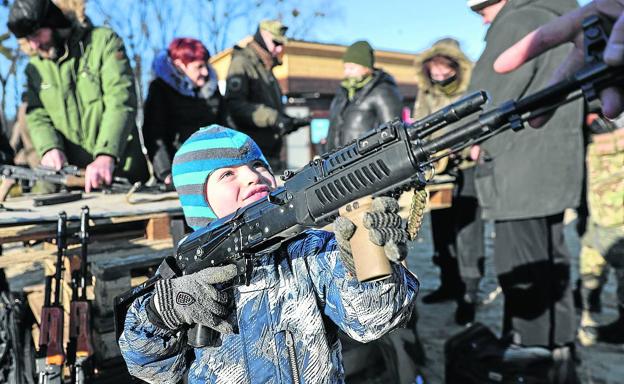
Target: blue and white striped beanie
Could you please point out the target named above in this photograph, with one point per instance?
(207, 150)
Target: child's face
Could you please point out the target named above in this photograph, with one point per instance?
(235, 187)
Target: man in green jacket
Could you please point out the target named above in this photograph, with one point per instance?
(80, 93)
(253, 95)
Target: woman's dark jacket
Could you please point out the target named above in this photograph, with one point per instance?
(171, 117)
(377, 102)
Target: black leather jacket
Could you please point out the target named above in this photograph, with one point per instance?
(377, 102)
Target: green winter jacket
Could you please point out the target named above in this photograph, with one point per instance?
(84, 103)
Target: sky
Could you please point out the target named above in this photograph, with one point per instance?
(401, 25)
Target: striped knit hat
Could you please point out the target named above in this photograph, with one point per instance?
(207, 150)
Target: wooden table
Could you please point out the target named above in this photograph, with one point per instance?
(23, 221)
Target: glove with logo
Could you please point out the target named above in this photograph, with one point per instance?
(385, 228)
(193, 299)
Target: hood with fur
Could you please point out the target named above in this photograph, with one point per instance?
(449, 48)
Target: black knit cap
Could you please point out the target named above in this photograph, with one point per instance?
(27, 16)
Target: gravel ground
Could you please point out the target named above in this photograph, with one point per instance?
(600, 364)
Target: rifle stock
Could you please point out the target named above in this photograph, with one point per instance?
(51, 356)
(80, 348)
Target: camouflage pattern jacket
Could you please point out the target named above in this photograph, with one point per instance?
(288, 319)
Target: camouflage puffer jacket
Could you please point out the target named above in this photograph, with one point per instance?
(288, 319)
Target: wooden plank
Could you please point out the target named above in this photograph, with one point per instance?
(441, 198)
(102, 206)
(96, 250)
(19, 233)
(158, 228)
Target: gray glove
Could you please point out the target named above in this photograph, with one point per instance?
(385, 228)
(192, 299)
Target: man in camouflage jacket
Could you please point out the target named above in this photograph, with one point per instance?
(253, 96)
(603, 241)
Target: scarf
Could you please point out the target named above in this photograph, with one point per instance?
(165, 70)
(354, 84)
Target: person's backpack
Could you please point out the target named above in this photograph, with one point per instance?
(17, 353)
(477, 356)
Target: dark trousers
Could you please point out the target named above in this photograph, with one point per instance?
(444, 256)
(532, 263)
(458, 237)
(469, 228)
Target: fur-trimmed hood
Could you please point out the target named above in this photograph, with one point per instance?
(449, 48)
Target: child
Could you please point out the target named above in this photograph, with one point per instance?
(299, 295)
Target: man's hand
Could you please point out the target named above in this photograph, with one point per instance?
(286, 124)
(99, 172)
(385, 228)
(193, 299)
(54, 158)
(475, 152)
(567, 28)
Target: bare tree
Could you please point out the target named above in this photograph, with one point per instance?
(219, 18)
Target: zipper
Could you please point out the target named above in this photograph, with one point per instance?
(292, 357)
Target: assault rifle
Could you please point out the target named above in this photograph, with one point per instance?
(71, 176)
(80, 348)
(387, 160)
(50, 357)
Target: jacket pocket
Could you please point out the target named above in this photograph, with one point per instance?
(485, 184)
(287, 348)
(88, 86)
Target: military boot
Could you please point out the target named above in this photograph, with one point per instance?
(467, 304)
(591, 305)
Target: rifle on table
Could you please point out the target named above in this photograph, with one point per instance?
(72, 177)
(50, 357)
(387, 160)
(80, 347)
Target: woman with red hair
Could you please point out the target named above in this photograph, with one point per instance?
(182, 98)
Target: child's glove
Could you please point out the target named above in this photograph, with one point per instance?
(192, 299)
(385, 228)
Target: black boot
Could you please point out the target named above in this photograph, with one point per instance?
(613, 332)
(466, 310)
(442, 294)
(467, 303)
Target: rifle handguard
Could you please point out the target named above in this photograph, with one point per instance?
(370, 260)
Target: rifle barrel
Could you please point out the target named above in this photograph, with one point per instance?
(61, 239)
(84, 241)
(451, 113)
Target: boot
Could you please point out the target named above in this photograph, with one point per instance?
(440, 295)
(467, 304)
(613, 332)
(564, 367)
(466, 309)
